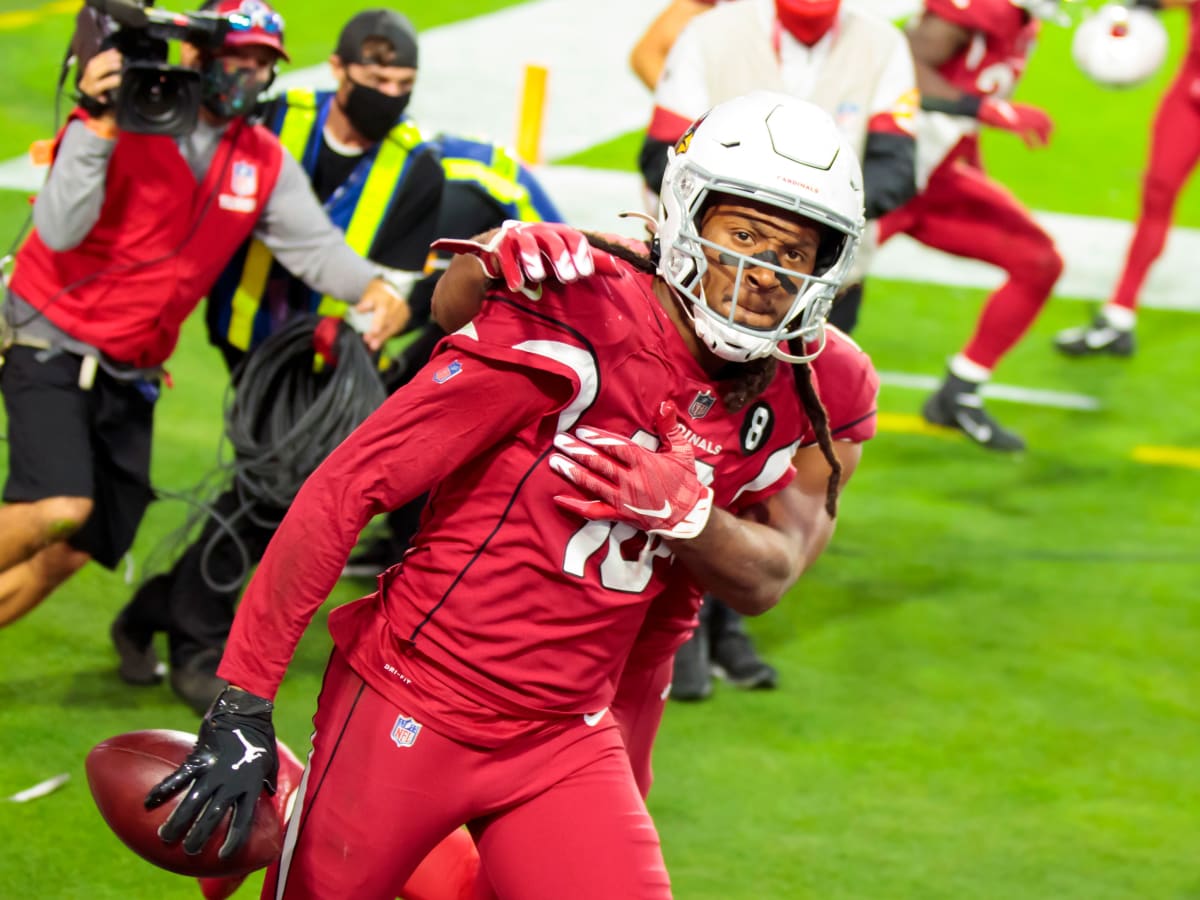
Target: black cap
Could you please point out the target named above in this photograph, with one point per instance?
(379, 23)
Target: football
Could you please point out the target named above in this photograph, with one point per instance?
(123, 769)
(1118, 47)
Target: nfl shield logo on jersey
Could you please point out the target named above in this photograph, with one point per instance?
(701, 405)
(244, 180)
(405, 731)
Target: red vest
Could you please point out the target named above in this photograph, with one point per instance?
(159, 244)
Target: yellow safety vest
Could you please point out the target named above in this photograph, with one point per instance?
(294, 135)
(499, 179)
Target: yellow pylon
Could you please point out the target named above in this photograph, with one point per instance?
(533, 109)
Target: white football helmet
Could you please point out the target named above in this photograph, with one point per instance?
(1119, 47)
(778, 150)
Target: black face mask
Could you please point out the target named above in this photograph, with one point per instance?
(373, 113)
(231, 94)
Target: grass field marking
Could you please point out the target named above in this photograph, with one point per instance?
(1027, 396)
(23, 18)
(1178, 457)
(905, 423)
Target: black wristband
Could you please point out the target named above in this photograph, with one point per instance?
(966, 105)
(241, 703)
(1154, 5)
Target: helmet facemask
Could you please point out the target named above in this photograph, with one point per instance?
(685, 263)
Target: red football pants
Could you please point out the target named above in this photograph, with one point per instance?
(964, 213)
(638, 708)
(1174, 152)
(555, 814)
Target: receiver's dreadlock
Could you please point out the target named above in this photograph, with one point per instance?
(639, 261)
(753, 377)
(815, 410)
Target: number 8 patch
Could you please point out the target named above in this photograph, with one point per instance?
(757, 426)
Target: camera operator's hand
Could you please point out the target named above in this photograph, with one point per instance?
(390, 309)
(101, 77)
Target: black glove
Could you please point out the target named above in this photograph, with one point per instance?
(233, 760)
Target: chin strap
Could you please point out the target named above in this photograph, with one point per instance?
(796, 359)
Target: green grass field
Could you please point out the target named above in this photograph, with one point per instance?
(988, 684)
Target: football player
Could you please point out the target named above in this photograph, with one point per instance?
(969, 55)
(1174, 152)
(576, 476)
(858, 68)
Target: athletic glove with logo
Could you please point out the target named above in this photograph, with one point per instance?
(656, 492)
(1032, 124)
(515, 254)
(233, 761)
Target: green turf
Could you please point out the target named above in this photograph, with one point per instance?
(988, 684)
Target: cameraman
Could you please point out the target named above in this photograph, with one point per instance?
(381, 182)
(130, 232)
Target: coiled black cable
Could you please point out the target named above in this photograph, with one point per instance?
(283, 417)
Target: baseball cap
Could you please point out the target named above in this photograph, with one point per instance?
(379, 23)
(253, 23)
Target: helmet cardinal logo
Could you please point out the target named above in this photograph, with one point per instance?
(681, 146)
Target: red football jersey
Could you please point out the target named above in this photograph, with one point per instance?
(849, 388)
(507, 610)
(1002, 37)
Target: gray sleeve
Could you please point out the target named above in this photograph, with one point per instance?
(299, 234)
(68, 205)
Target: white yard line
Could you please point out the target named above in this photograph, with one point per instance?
(1028, 396)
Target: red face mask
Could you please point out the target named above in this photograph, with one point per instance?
(807, 20)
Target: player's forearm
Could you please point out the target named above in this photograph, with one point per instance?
(647, 59)
(459, 292)
(649, 54)
(747, 564)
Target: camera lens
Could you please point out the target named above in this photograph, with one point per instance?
(155, 98)
(158, 99)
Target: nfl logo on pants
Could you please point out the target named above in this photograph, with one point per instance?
(405, 731)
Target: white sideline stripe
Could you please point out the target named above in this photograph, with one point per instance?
(593, 97)
(1028, 396)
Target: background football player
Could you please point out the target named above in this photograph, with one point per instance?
(969, 55)
(1174, 152)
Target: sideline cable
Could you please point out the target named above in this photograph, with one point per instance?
(282, 418)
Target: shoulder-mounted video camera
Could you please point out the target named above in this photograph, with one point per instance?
(154, 97)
